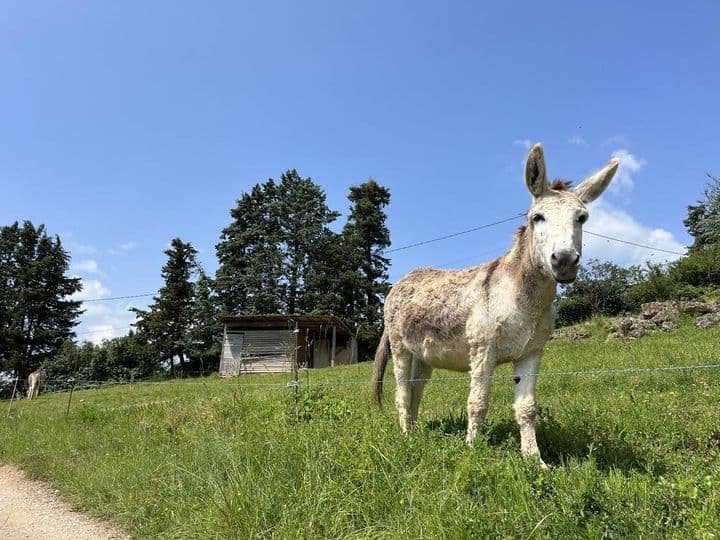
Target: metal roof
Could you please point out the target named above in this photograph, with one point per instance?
(302, 320)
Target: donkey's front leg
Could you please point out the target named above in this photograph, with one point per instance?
(525, 408)
(481, 369)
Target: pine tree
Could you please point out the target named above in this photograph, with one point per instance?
(365, 283)
(36, 314)
(303, 216)
(167, 323)
(248, 278)
(206, 328)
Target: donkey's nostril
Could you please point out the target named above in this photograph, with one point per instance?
(553, 257)
(576, 261)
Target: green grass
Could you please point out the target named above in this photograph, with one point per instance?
(631, 455)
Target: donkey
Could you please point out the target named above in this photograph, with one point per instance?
(473, 319)
(36, 382)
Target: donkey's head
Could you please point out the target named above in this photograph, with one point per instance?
(556, 216)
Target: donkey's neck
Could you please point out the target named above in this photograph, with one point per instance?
(534, 287)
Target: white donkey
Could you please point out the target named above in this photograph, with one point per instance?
(36, 382)
(501, 311)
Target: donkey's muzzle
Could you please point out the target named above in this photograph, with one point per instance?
(565, 265)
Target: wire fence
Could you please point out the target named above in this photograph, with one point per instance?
(71, 384)
(433, 240)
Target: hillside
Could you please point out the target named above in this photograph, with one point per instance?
(632, 454)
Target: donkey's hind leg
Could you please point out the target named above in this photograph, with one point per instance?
(420, 374)
(402, 366)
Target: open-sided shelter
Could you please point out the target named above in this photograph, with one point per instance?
(280, 343)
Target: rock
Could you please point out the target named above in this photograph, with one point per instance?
(693, 307)
(649, 310)
(708, 320)
(669, 325)
(577, 335)
(629, 327)
(659, 312)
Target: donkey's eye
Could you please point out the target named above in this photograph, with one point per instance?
(583, 218)
(537, 218)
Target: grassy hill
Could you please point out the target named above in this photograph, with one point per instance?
(632, 454)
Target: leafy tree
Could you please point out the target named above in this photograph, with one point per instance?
(121, 358)
(600, 289)
(36, 313)
(703, 221)
(167, 323)
(693, 276)
(365, 283)
(248, 277)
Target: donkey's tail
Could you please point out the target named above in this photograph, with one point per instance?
(381, 358)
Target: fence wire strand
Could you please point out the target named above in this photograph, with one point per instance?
(86, 385)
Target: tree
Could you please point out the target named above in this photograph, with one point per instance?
(248, 277)
(703, 221)
(125, 357)
(206, 330)
(303, 216)
(36, 313)
(601, 288)
(167, 323)
(365, 283)
(266, 253)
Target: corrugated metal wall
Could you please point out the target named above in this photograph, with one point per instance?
(257, 351)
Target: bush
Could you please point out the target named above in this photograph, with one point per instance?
(691, 277)
(573, 310)
(701, 268)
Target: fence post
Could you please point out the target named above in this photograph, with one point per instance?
(12, 396)
(295, 367)
(67, 412)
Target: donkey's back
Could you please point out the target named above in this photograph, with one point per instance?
(432, 306)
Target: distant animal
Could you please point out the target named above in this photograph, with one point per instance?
(36, 382)
(473, 319)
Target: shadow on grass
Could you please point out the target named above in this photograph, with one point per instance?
(558, 442)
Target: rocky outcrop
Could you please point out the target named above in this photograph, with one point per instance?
(664, 316)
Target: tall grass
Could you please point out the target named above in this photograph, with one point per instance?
(631, 455)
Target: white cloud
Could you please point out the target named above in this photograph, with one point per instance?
(610, 221)
(105, 319)
(577, 140)
(92, 288)
(101, 320)
(629, 165)
(122, 249)
(88, 266)
(525, 143)
(616, 140)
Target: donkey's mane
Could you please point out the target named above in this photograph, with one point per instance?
(560, 185)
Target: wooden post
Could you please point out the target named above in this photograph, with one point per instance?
(296, 371)
(332, 352)
(12, 396)
(67, 412)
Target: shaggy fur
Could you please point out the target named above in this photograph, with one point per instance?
(473, 319)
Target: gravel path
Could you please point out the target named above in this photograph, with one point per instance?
(32, 510)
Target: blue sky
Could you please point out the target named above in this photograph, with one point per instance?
(125, 124)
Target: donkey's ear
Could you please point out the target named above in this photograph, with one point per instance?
(535, 172)
(592, 187)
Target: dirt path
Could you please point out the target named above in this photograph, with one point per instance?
(31, 510)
